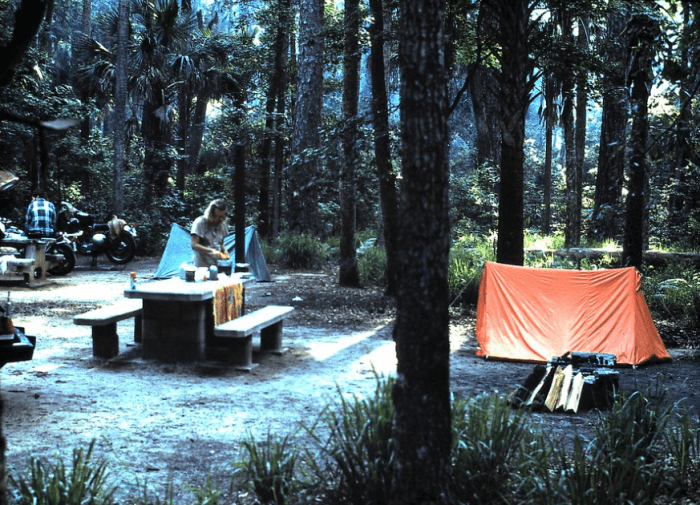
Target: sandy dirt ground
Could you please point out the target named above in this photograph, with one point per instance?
(157, 423)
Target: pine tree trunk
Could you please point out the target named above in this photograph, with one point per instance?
(514, 90)
(120, 100)
(199, 118)
(549, 119)
(382, 148)
(279, 131)
(676, 200)
(265, 158)
(611, 153)
(422, 426)
(643, 31)
(571, 237)
(573, 219)
(581, 120)
(486, 122)
(348, 274)
(306, 140)
(183, 127)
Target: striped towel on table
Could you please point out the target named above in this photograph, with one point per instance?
(227, 302)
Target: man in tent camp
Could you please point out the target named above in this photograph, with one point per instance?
(178, 250)
(535, 314)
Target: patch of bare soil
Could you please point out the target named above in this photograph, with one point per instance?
(157, 422)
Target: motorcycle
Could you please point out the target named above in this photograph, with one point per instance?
(115, 239)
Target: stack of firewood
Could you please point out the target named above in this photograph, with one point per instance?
(574, 382)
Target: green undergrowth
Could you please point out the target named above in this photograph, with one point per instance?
(640, 451)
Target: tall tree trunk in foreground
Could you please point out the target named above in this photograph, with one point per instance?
(3, 446)
(382, 147)
(422, 424)
(348, 274)
(306, 139)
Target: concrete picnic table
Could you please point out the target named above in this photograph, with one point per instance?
(178, 316)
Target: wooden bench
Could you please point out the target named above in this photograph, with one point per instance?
(105, 341)
(238, 334)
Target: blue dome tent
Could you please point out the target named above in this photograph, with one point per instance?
(178, 250)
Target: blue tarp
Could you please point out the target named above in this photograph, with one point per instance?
(178, 250)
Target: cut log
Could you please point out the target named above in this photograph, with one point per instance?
(555, 389)
(575, 393)
(650, 257)
(565, 386)
(539, 393)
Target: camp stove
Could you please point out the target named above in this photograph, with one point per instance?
(569, 383)
(585, 360)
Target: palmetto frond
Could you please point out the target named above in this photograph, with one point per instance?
(87, 48)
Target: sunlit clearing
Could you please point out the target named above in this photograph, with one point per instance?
(321, 351)
(382, 360)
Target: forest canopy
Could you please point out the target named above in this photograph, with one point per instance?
(573, 118)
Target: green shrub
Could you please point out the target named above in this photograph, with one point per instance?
(371, 264)
(357, 454)
(467, 258)
(494, 448)
(52, 484)
(674, 293)
(627, 461)
(537, 241)
(299, 251)
(271, 467)
(683, 443)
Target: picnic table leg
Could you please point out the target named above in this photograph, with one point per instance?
(105, 341)
(138, 324)
(174, 331)
(271, 338)
(240, 352)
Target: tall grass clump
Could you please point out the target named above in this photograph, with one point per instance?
(496, 450)
(271, 467)
(356, 448)
(299, 251)
(683, 441)
(628, 460)
(47, 483)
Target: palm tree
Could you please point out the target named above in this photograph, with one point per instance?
(175, 61)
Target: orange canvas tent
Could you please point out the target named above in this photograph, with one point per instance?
(535, 314)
